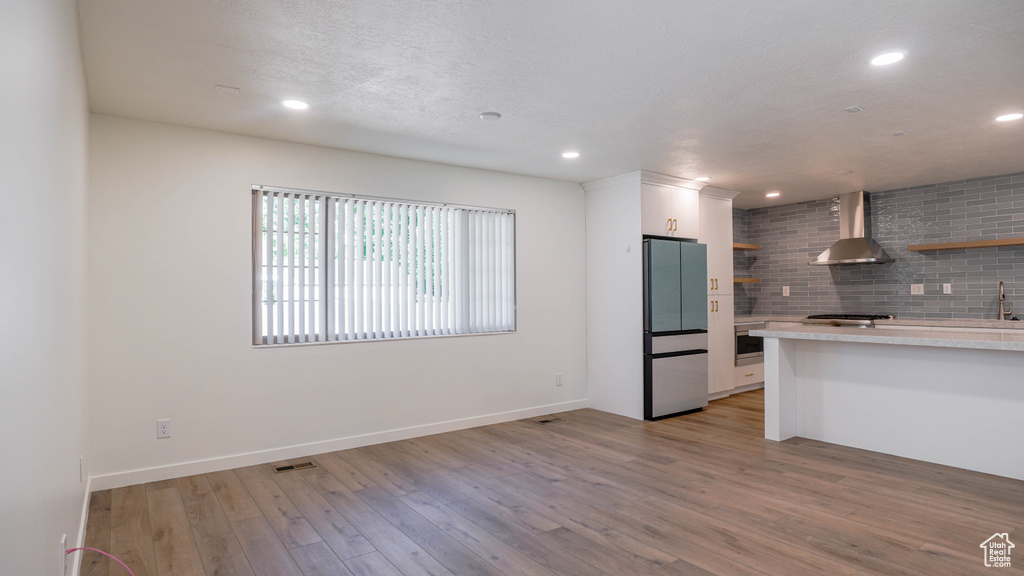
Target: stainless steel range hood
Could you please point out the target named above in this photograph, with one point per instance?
(854, 246)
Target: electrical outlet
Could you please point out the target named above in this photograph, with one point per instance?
(559, 379)
(947, 288)
(64, 554)
(917, 289)
(163, 428)
(81, 469)
(785, 290)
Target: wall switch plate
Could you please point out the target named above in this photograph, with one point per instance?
(63, 554)
(917, 289)
(163, 428)
(947, 288)
(785, 290)
(559, 379)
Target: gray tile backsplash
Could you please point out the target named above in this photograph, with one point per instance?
(793, 234)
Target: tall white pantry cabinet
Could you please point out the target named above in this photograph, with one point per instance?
(620, 210)
(716, 232)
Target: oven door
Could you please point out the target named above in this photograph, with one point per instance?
(749, 349)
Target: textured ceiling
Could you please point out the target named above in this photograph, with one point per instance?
(751, 93)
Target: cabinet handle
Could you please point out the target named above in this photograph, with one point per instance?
(675, 225)
(748, 375)
(668, 225)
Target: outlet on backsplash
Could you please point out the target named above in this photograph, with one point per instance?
(917, 289)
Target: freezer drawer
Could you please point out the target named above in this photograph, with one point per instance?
(675, 382)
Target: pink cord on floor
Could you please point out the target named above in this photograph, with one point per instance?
(70, 550)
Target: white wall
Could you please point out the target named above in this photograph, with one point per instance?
(43, 122)
(170, 308)
(615, 323)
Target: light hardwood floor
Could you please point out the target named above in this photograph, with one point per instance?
(592, 493)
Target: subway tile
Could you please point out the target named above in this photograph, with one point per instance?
(981, 208)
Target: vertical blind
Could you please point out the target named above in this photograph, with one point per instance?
(328, 267)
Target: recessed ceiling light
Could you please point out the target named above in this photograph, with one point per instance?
(492, 116)
(228, 89)
(853, 109)
(295, 104)
(899, 133)
(570, 154)
(773, 195)
(703, 178)
(887, 58)
(844, 172)
(1009, 117)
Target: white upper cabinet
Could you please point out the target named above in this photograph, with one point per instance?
(716, 232)
(669, 209)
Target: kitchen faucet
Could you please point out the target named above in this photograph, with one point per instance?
(1002, 298)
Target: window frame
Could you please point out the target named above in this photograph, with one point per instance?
(259, 305)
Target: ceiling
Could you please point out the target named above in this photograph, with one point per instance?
(750, 93)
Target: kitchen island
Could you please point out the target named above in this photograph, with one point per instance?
(942, 395)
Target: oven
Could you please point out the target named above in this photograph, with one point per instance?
(749, 349)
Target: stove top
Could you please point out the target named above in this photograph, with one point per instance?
(845, 319)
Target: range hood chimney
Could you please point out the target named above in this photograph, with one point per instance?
(854, 246)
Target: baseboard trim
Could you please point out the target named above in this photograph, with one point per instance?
(747, 388)
(737, 390)
(76, 560)
(157, 473)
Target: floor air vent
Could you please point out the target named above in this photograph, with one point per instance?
(548, 420)
(290, 467)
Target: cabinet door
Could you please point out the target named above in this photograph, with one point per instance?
(716, 232)
(721, 343)
(686, 214)
(656, 210)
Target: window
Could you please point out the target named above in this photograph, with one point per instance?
(332, 267)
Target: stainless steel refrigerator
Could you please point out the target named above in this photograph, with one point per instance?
(675, 327)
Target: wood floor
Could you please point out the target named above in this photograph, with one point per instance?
(590, 493)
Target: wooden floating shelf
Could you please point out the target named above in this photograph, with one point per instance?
(746, 280)
(968, 245)
(742, 246)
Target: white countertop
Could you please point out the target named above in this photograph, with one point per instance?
(936, 336)
(928, 322)
(955, 323)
